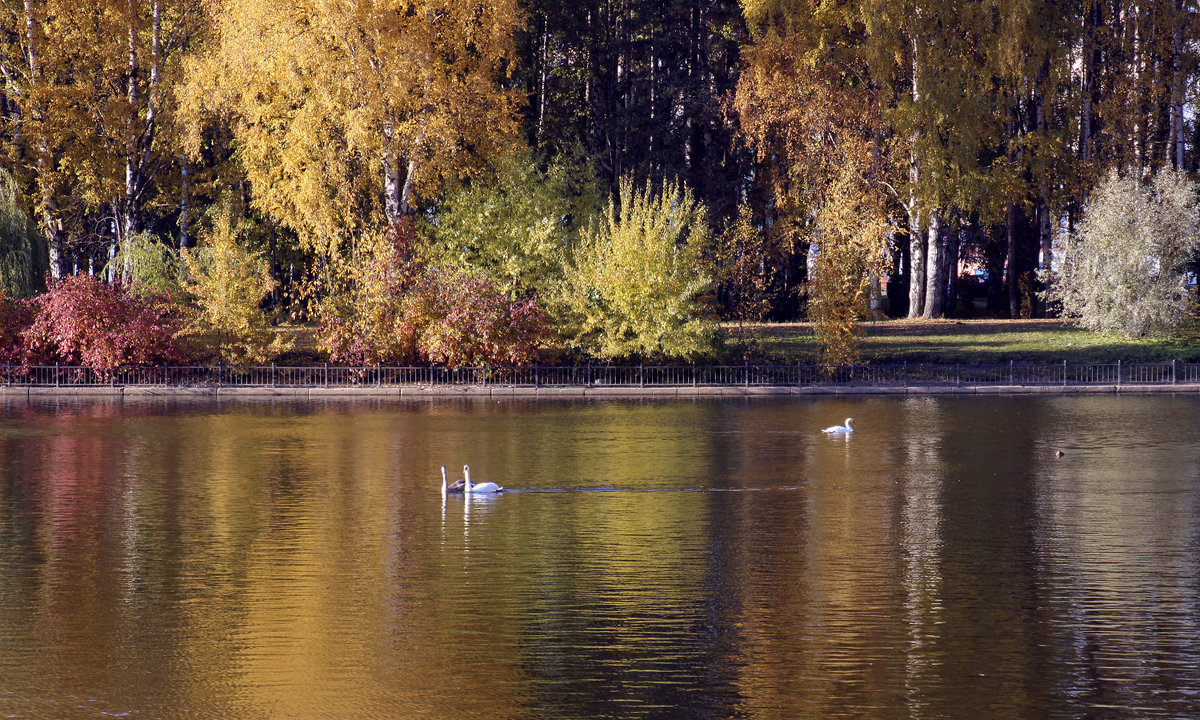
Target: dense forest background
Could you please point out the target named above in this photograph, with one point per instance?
(820, 158)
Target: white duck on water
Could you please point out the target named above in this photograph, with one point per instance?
(840, 429)
(481, 488)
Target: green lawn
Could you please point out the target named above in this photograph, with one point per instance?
(975, 341)
(950, 341)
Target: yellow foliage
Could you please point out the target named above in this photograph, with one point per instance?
(342, 109)
(633, 286)
(817, 128)
(227, 284)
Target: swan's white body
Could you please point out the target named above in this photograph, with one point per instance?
(482, 488)
(840, 429)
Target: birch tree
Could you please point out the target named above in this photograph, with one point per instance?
(343, 113)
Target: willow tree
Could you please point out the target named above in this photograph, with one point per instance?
(809, 113)
(343, 112)
(1124, 270)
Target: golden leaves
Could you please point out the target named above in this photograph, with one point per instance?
(327, 98)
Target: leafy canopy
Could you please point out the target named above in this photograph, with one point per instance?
(516, 228)
(341, 108)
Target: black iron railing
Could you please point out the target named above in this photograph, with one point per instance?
(624, 376)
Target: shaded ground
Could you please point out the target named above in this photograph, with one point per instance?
(976, 341)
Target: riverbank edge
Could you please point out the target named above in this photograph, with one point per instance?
(500, 392)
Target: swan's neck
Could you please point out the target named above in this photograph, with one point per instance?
(466, 478)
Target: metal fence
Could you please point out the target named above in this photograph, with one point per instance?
(624, 376)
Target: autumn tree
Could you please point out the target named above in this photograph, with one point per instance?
(635, 284)
(807, 111)
(515, 226)
(90, 89)
(343, 112)
(226, 284)
(744, 270)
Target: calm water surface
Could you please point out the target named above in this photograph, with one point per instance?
(651, 560)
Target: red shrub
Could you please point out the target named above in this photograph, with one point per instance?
(402, 309)
(82, 320)
(15, 316)
(465, 320)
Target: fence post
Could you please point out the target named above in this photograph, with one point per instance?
(378, 374)
(747, 370)
(905, 378)
(1172, 371)
(642, 375)
(1011, 379)
(8, 373)
(218, 373)
(55, 373)
(272, 374)
(1118, 372)
(1064, 372)
(326, 375)
(958, 373)
(589, 374)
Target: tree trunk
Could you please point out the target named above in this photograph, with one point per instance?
(916, 231)
(185, 189)
(1089, 90)
(51, 225)
(935, 270)
(1012, 272)
(1175, 144)
(393, 188)
(1045, 240)
(916, 265)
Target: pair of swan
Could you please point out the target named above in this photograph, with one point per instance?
(466, 487)
(840, 429)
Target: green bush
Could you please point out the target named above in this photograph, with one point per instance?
(636, 285)
(1124, 270)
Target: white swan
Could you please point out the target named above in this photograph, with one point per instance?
(457, 487)
(840, 429)
(487, 487)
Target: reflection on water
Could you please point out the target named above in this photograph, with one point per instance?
(690, 559)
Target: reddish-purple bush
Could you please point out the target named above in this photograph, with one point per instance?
(398, 308)
(15, 316)
(465, 320)
(85, 321)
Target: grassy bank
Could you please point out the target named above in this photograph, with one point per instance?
(976, 341)
(950, 341)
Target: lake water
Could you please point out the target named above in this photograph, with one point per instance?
(693, 559)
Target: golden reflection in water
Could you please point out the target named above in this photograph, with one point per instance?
(299, 562)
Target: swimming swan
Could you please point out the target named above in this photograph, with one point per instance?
(487, 487)
(457, 487)
(840, 429)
